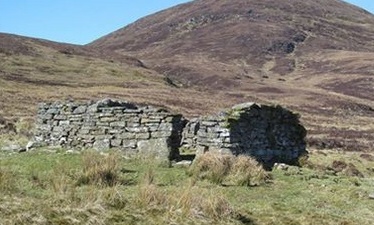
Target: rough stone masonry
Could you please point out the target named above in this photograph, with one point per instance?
(269, 133)
(110, 124)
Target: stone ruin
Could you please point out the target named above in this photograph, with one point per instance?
(269, 133)
(110, 124)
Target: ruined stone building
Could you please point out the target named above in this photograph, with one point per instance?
(269, 133)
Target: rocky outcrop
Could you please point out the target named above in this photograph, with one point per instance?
(269, 133)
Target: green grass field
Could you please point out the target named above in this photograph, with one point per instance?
(43, 187)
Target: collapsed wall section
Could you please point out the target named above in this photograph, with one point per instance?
(268, 133)
(110, 124)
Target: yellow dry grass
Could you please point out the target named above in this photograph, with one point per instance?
(229, 170)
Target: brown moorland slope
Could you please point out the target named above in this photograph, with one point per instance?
(314, 57)
(197, 42)
(34, 70)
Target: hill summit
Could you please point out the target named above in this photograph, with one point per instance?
(210, 42)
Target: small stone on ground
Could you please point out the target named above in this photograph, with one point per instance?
(183, 163)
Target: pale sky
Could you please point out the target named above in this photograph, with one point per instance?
(82, 21)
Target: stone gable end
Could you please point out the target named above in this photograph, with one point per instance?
(269, 133)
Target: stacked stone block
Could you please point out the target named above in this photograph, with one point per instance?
(110, 124)
(208, 133)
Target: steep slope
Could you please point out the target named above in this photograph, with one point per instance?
(34, 70)
(314, 56)
(256, 37)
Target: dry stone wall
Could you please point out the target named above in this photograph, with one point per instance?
(269, 133)
(110, 124)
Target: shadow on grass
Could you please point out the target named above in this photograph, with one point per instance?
(245, 219)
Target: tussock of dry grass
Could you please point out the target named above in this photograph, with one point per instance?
(149, 194)
(100, 170)
(115, 198)
(241, 170)
(246, 171)
(188, 202)
(25, 127)
(216, 206)
(213, 167)
(7, 181)
(191, 201)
